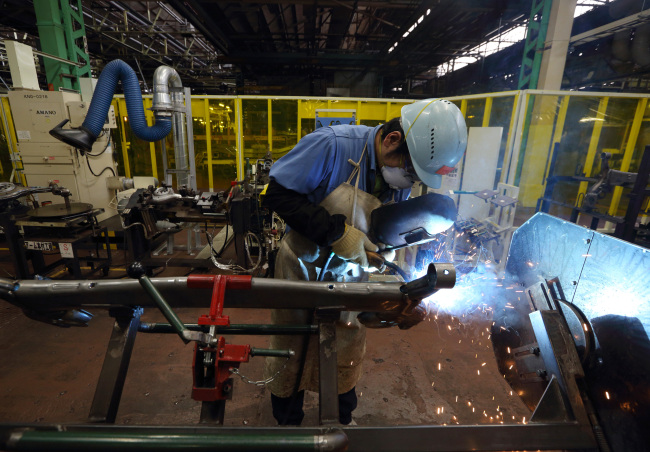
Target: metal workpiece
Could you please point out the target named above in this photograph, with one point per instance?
(438, 276)
(264, 293)
(233, 329)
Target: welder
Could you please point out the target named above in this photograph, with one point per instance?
(324, 189)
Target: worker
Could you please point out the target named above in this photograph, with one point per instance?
(324, 189)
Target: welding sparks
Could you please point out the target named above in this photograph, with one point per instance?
(607, 395)
(483, 364)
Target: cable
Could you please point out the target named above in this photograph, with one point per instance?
(102, 172)
(210, 239)
(322, 270)
(108, 142)
(397, 269)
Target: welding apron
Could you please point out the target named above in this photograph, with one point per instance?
(300, 259)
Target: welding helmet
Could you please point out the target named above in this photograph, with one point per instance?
(436, 136)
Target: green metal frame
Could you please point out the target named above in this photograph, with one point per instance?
(531, 62)
(62, 33)
(534, 47)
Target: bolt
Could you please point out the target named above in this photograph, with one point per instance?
(534, 351)
(541, 373)
(227, 388)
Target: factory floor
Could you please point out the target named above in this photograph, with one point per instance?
(442, 371)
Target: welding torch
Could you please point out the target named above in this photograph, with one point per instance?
(380, 263)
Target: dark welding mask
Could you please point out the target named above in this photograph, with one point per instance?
(412, 222)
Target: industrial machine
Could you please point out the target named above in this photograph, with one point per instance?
(570, 335)
(152, 214)
(67, 232)
(47, 160)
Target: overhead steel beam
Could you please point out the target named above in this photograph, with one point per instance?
(390, 4)
(611, 28)
(189, 9)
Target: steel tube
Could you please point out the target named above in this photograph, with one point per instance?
(264, 293)
(109, 442)
(175, 322)
(234, 329)
(430, 438)
(277, 353)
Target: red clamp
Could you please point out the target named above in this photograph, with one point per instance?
(211, 366)
(211, 369)
(219, 284)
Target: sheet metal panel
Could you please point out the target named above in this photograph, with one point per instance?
(609, 281)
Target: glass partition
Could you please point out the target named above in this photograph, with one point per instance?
(255, 125)
(284, 126)
(221, 143)
(560, 134)
(563, 141)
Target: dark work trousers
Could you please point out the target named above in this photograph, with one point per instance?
(289, 412)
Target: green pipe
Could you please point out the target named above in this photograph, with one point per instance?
(110, 442)
(170, 315)
(277, 353)
(242, 328)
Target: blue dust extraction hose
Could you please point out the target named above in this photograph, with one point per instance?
(113, 72)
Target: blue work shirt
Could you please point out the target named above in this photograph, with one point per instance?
(319, 162)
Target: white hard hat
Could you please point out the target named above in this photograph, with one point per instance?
(436, 136)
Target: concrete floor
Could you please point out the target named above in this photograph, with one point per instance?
(442, 371)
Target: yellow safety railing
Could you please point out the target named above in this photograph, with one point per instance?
(578, 126)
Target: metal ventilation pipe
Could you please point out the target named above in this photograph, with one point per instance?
(168, 96)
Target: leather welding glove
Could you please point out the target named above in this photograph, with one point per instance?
(415, 316)
(352, 246)
(403, 320)
(388, 255)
